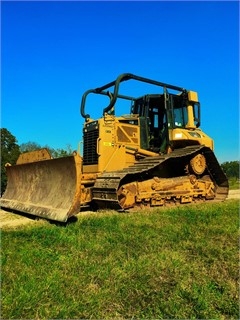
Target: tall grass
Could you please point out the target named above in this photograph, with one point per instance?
(179, 263)
(233, 183)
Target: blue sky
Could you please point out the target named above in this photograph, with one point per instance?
(52, 52)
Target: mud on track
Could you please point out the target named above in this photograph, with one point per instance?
(13, 220)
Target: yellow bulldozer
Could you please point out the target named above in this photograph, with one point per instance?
(156, 155)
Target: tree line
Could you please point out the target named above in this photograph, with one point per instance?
(10, 151)
(231, 169)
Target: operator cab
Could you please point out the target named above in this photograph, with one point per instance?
(159, 113)
(167, 121)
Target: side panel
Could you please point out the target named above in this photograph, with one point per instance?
(181, 138)
(115, 136)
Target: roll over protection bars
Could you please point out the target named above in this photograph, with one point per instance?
(113, 96)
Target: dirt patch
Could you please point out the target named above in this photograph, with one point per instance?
(234, 194)
(12, 220)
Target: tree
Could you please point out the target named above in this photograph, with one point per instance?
(56, 153)
(231, 168)
(29, 146)
(9, 154)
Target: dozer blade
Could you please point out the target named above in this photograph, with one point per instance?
(48, 188)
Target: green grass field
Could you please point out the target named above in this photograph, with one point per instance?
(179, 263)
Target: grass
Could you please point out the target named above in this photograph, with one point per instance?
(179, 263)
(233, 183)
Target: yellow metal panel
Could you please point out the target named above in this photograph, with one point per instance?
(32, 156)
(192, 96)
(92, 168)
(111, 145)
(180, 135)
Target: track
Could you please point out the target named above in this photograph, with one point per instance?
(171, 166)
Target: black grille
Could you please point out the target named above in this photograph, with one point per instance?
(90, 146)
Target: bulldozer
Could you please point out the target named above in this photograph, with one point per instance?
(155, 156)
